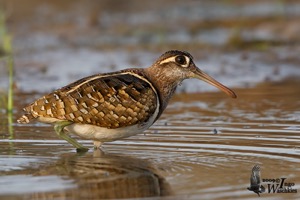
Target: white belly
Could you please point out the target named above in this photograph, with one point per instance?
(91, 132)
(101, 134)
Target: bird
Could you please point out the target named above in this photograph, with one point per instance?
(110, 106)
(255, 181)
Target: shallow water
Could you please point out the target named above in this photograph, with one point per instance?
(203, 147)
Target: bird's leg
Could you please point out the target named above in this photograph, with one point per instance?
(59, 129)
(97, 144)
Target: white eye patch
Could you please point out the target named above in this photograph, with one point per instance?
(181, 60)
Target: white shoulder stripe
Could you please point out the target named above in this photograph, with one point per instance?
(153, 117)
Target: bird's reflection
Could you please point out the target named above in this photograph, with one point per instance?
(99, 175)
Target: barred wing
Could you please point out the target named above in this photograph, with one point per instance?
(106, 100)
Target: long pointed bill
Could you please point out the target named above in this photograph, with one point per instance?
(204, 77)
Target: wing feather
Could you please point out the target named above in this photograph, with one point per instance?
(111, 101)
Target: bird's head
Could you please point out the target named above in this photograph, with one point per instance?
(175, 66)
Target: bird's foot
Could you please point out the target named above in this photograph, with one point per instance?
(82, 150)
(59, 129)
(97, 144)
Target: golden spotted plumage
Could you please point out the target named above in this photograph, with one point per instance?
(108, 107)
(110, 101)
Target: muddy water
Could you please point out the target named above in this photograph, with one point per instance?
(203, 147)
(205, 144)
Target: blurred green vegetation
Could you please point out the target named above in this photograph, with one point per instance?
(6, 56)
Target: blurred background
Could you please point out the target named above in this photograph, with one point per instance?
(240, 43)
(203, 146)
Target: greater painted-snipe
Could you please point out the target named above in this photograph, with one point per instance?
(110, 106)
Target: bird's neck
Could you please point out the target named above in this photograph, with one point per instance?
(165, 85)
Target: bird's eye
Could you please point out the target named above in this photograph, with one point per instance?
(180, 60)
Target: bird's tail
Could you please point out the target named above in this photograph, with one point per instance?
(25, 118)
